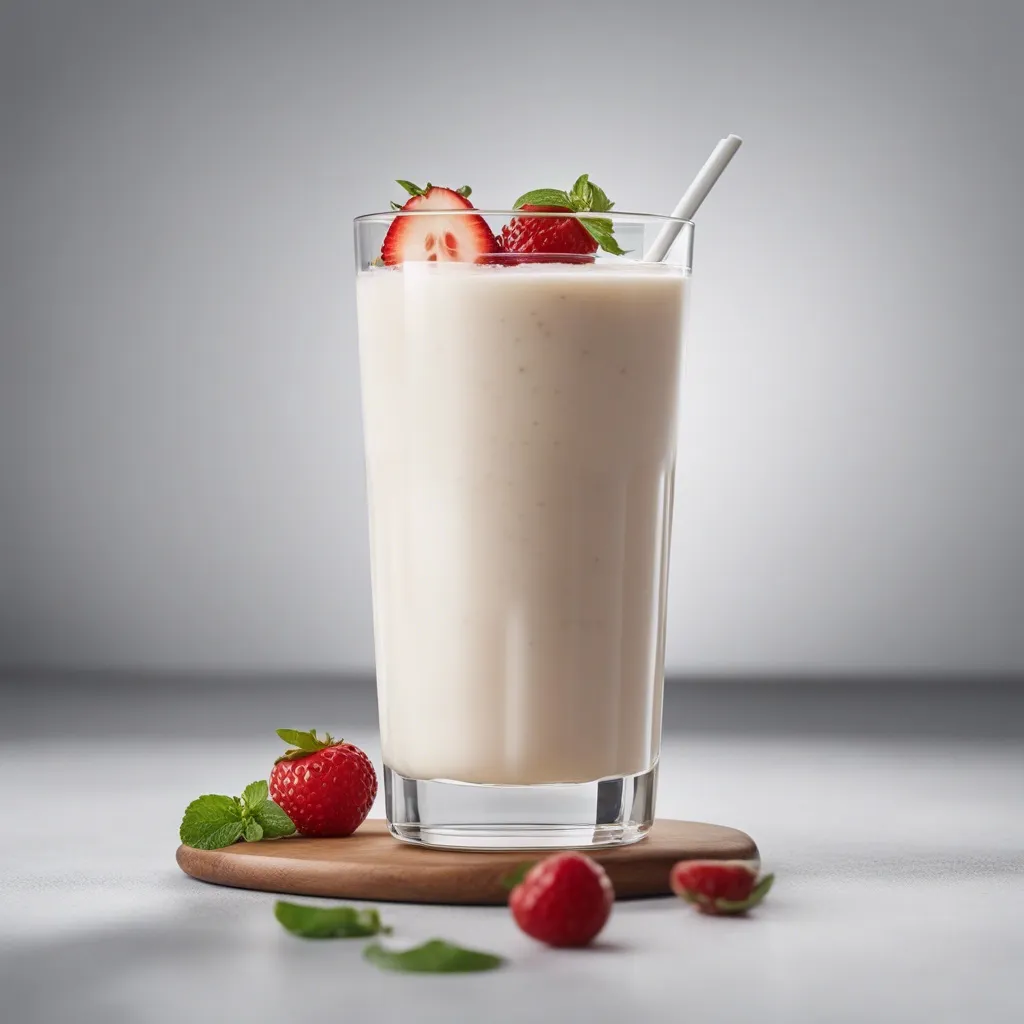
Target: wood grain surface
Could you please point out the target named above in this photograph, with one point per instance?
(371, 865)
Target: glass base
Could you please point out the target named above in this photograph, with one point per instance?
(564, 816)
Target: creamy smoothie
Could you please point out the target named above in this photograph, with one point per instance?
(520, 445)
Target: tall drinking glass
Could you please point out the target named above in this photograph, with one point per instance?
(520, 427)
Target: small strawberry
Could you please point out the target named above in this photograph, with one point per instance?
(563, 900)
(719, 886)
(565, 236)
(325, 786)
(460, 237)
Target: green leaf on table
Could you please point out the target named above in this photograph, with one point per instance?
(433, 957)
(253, 831)
(329, 922)
(211, 822)
(274, 822)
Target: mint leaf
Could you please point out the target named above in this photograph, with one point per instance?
(329, 922)
(543, 197)
(600, 229)
(274, 822)
(255, 795)
(581, 193)
(599, 201)
(211, 822)
(433, 957)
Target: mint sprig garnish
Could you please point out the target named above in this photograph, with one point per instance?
(212, 822)
(434, 957)
(329, 922)
(583, 197)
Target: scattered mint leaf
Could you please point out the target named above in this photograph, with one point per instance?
(516, 875)
(543, 197)
(255, 795)
(274, 822)
(211, 822)
(253, 831)
(433, 957)
(329, 922)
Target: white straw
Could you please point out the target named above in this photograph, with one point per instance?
(694, 196)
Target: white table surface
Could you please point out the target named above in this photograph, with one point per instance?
(899, 897)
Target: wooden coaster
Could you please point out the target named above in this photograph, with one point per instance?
(371, 865)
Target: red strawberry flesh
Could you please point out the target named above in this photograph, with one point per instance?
(429, 235)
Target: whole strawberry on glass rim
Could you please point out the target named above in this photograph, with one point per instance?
(325, 786)
(719, 886)
(567, 236)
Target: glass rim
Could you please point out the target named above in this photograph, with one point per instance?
(613, 215)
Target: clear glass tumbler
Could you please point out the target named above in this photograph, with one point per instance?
(520, 426)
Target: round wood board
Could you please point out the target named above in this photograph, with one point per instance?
(371, 865)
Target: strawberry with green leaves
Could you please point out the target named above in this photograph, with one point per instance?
(326, 786)
(567, 236)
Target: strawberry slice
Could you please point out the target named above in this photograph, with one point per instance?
(461, 237)
(719, 886)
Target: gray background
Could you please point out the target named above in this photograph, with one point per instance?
(180, 450)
